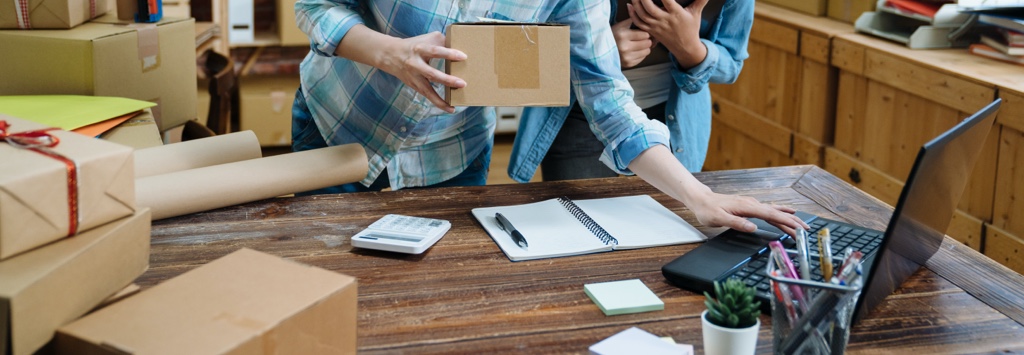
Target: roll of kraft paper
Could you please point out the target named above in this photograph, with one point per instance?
(215, 150)
(189, 191)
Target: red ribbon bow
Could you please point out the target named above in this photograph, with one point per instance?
(37, 140)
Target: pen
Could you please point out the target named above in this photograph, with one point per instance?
(825, 253)
(786, 266)
(802, 251)
(511, 230)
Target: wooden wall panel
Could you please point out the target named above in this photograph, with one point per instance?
(1008, 209)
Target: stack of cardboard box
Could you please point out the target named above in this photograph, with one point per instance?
(70, 234)
(105, 56)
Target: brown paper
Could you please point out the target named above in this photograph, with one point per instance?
(137, 132)
(215, 150)
(59, 14)
(244, 303)
(34, 207)
(201, 189)
(55, 284)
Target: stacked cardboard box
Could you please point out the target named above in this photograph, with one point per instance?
(70, 235)
(288, 308)
(105, 57)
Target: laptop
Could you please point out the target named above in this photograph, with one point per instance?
(915, 231)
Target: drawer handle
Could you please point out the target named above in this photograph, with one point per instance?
(854, 175)
(714, 107)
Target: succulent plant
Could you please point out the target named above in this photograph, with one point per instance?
(734, 305)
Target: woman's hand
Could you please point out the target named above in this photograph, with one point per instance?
(408, 59)
(634, 45)
(718, 210)
(675, 26)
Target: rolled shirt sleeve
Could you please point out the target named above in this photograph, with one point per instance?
(326, 22)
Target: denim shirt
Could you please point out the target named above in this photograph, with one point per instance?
(688, 110)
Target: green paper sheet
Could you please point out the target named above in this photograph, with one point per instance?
(68, 112)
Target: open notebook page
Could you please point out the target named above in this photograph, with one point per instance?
(640, 222)
(547, 226)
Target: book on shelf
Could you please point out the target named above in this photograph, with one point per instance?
(983, 50)
(562, 227)
(1002, 46)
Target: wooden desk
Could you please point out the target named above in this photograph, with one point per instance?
(464, 296)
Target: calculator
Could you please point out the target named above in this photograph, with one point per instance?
(401, 234)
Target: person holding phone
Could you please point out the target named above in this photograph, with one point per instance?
(668, 53)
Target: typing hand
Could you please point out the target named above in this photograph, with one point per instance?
(634, 45)
(409, 60)
(673, 25)
(718, 210)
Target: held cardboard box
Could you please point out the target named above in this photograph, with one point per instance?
(244, 303)
(149, 62)
(50, 13)
(36, 201)
(49, 287)
(849, 10)
(509, 64)
(137, 132)
(266, 107)
(810, 7)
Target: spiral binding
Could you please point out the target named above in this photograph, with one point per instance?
(588, 222)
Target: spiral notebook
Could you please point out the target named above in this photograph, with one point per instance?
(563, 227)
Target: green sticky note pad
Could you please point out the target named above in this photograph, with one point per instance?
(623, 297)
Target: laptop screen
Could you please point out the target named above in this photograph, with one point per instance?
(926, 205)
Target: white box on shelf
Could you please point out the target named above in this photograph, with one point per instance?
(508, 119)
(241, 28)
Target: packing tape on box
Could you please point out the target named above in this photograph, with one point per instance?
(516, 51)
(196, 190)
(215, 150)
(149, 45)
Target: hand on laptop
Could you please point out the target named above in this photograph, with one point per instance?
(719, 210)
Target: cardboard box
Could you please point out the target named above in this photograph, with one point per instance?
(287, 29)
(35, 204)
(266, 107)
(49, 287)
(810, 7)
(510, 64)
(104, 58)
(246, 302)
(50, 13)
(849, 10)
(137, 132)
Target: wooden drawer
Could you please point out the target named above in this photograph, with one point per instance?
(769, 85)
(734, 149)
(807, 151)
(884, 126)
(963, 227)
(1008, 209)
(1004, 247)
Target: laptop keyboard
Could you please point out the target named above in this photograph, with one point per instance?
(843, 236)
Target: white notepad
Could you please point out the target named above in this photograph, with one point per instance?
(635, 341)
(562, 227)
(623, 297)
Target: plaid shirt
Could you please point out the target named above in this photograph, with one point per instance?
(422, 145)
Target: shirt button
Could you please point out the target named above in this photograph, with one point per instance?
(671, 117)
(402, 129)
(680, 150)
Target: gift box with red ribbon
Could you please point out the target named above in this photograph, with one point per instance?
(40, 14)
(55, 184)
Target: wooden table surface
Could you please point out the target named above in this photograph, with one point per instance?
(464, 296)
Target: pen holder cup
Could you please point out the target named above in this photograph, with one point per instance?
(810, 317)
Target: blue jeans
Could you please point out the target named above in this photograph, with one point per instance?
(306, 136)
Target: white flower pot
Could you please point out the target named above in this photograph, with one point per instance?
(728, 341)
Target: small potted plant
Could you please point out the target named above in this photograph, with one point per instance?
(731, 322)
